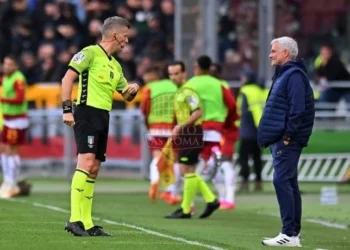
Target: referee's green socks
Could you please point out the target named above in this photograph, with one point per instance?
(192, 183)
(205, 190)
(76, 194)
(86, 204)
(190, 190)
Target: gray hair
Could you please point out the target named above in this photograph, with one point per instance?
(112, 23)
(289, 44)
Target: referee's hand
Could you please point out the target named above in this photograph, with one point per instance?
(68, 119)
(131, 89)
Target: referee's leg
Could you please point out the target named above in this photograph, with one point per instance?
(88, 195)
(85, 165)
(88, 140)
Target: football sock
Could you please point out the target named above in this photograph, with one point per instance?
(12, 170)
(219, 183)
(175, 188)
(200, 166)
(205, 190)
(86, 204)
(77, 189)
(17, 160)
(154, 173)
(229, 174)
(207, 175)
(4, 165)
(190, 190)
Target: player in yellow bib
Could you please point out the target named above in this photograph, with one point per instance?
(158, 109)
(14, 113)
(99, 76)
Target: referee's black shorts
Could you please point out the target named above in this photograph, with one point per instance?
(188, 144)
(91, 131)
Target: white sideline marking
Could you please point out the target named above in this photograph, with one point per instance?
(147, 231)
(189, 242)
(328, 224)
(317, 221)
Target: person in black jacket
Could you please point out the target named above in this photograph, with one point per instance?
(332, 69)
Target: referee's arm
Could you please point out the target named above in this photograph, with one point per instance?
(67, 84)
(67, 106)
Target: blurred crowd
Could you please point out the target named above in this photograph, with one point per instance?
(45, 34)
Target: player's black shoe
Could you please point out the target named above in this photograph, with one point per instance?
(76, 228)
(97, 231)
(178, 214)
(210, 208)
(24, 188)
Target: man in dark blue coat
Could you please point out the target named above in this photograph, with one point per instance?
(286, 126)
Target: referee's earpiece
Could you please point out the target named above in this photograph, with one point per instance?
(115, 38)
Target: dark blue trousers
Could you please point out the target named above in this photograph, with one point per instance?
(285, 180)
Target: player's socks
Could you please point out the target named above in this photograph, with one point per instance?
(219, 183)
(154, 177)
(12, 170)
(4, 166)
(229, 175)
(190, 190)
(175, 188)
(205, 190)
(86, 204)
(154, 173)
(77, 190)
(17, 160)
(208, 173)
(200, 166)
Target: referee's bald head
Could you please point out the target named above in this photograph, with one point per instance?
(113, 24)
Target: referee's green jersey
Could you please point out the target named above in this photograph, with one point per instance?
(99, 76)
(186, 102)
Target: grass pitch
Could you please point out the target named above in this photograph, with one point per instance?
(122, 208)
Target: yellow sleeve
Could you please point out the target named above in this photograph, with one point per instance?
(122, 83)
(81, 61)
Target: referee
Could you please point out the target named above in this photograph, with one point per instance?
(99, 76)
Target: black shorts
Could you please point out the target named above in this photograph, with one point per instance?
(188, 145)
(91, 131)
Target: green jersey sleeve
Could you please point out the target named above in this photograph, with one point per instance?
(81, 61)
(122, 83)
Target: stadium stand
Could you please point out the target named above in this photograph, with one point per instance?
(45, 34)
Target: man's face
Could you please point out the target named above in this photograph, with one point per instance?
(9, 66)
(150, 77)
(213, 71)
(243, 79)
(196, 69)
(127, 54)
(278, 55)
(121, 38)
(176, 74)
(326, 53)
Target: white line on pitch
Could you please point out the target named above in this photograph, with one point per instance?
(145, 230)
(328, 224)
(316, 221)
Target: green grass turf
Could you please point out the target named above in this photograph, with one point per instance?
(325, 142)
(25, 226)
(329, 142)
